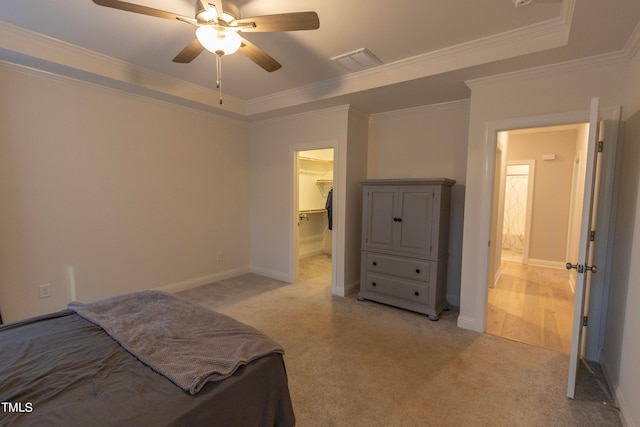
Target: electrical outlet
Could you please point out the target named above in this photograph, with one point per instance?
(44, 291)
(220, 256)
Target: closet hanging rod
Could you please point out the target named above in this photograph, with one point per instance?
(312, 211)
(311, 159)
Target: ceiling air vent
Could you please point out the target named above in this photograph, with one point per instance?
(357, 60)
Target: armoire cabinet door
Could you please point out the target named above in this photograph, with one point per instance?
(380, 205)
(399, 219)
(415, 220)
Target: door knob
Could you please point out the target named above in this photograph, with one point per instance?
(581, 268)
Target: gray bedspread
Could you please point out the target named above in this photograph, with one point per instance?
(186, 343)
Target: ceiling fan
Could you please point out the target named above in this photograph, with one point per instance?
(219, 24)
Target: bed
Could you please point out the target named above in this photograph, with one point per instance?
(128, 361)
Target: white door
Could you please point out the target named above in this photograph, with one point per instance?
(583, 264)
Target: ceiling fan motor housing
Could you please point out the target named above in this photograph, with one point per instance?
(228, 8)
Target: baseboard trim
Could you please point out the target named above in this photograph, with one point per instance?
(468, 323)
(453, 300)
(546, 263)
(618, 397)
(350, 289)
(272, 274)
(203, 280)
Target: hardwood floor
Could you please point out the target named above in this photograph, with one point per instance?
(533, 305)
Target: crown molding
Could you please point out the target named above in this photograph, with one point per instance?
(633, 44)
(607, 59)
(103, 69)
(54, 51)
(546, 35)
(422, 108)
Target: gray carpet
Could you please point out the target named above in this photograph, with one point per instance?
(354, 363)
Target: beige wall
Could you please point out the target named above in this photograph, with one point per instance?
(426, 142)
(113, 193)
(622, 342)
(552, 190)
(522, 100)
(517, 101)
(273, 215)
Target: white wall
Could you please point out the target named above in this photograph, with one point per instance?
(622, 341)
(542, 96)
(426, 142)
(552, 190)
(315, 180)
(518, 100)
(113, 193)
(273, 215)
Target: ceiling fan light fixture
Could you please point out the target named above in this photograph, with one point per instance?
(218, 41)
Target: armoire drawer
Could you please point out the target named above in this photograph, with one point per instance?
(397, 288)
(400, 267)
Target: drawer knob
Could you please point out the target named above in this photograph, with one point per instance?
(375, 263)
(418, 270)
(373, 283)
(417, 293)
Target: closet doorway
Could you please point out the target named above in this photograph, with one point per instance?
(531, 296)
(315, 177)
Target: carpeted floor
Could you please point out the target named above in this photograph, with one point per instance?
(354, 363)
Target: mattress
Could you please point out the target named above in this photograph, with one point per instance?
(60, 369)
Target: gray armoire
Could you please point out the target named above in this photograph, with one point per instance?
(405, 243)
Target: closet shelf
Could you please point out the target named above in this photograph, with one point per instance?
(324, 181)
(311, 159)
(311, 211)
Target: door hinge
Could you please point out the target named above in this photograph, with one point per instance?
(592, 235)
(585, 320)
(600, 146)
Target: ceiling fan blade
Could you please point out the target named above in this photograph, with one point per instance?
(189, 53)
(294, 21)
(143, 10)
(258, 56)
(217, 5)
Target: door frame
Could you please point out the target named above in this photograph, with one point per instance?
(594, 336)
(294, 266)
(531, 175)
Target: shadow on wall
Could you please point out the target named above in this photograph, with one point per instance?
(455, 244)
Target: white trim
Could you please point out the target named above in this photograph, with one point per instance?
(591, 62)
(278, 275)
(546, 263)
(633, 44)
(453, 300)
(509, 44)
(49, 49)
(481, 254)
(203, 280)
(24, 69)
(422, 108)
(337, 262)
(469, 323)
(351, 288)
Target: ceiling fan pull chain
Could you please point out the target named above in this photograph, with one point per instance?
(219, 75)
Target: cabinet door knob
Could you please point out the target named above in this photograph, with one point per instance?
(417, 293)
(373, 283)
(418, 270)
(375, 263)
